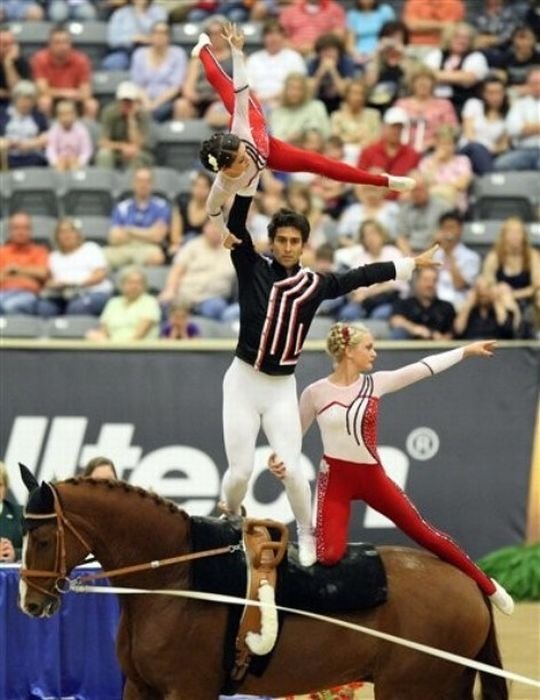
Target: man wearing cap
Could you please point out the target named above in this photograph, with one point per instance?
(125, 131)
(389, 154)
(63, 73)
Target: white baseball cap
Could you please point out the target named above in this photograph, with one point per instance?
(395, 115)
(127, 91)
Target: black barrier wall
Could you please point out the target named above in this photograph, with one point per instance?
(459, 444)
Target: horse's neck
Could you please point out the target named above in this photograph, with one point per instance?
(122, 528)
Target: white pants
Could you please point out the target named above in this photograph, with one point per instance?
(252, 399)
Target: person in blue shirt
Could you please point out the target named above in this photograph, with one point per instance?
(364, 21)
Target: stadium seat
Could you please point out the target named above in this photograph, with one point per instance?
(70, 326)
(179, 143)
(35, 191)
(31, 36)
(156, 276)
(208, 327)
(319, 328)
(21, 326)
(105, 82)
(377, 327)
(187, 33)
(481, 235)
(500, 195)
(94, 228)
(169, 183)
(90, 37)
(89, 192)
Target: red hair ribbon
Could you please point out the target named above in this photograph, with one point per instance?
(346, 334)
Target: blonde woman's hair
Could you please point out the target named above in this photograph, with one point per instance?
(343, 335)
(4, 475)
(301, 78)
(67, 221)
(452, 29)
(421, 72)
(500, 244)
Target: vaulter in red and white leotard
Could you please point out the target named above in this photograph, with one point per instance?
(239, 157)
(346, 405)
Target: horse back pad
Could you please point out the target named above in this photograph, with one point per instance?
(358, 582)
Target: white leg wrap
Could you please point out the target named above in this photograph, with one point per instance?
(264, 642)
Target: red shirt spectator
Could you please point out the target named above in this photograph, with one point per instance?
(23, 264)
(61, 72)
(427, 19)
(306, 20)
(389, 154)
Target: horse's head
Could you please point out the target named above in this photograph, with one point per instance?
(51, 548)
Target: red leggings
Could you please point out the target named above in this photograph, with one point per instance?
(344, 482)
(281, 155)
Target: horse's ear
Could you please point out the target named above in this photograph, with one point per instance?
(28, 478)
(46, 497)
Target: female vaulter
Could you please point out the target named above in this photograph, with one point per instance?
(346, 406)
(239, 157)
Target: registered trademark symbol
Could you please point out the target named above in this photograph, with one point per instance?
(422, 444)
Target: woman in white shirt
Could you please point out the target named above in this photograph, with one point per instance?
(77, 281)
(484, 126)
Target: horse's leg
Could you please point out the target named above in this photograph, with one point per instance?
(136, 691)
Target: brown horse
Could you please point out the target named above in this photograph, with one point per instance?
(172, 648)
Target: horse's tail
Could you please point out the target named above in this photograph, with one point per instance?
(493, 687)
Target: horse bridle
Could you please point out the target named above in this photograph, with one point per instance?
(61, 584)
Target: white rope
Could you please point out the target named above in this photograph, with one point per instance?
(227, 599)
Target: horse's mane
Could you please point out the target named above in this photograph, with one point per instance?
(123, 486)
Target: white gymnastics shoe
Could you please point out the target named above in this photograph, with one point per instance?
(502, 599)
(400, 183)
(204, 40)
(307, 551)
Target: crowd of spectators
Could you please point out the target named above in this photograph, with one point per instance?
(435, 91)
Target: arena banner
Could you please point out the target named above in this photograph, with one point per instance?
(459, 444)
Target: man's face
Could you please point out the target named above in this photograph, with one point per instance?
(60, 45)
(20, 229)
(142, 184)
(449, 233)
(393, 133)
(287, 246)
(426, 284)
(274, 41)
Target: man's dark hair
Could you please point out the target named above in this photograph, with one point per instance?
(219, 151)
(93, 464)
(329, 41)
(272, 25)
(288, 217)
(453, 215)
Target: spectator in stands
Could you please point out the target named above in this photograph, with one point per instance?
(11, 533)
(125, 131)
(299, 198)
(189, 216)
(364, 22)
(305, 20)
(494, 25)
(298, 111)
(266, 9)
(23, 129)
(448, 173)
(69, 144)
(514, 62)
(523, 124)
(233, 10)
(390, 154)
(375, 301)
(140, 225)
(356, 124)
(63, 73)
(23, 268)
(178, 325)
(20, 10)
(388, 72)
(202, 276)
(159, 70)
(330, 71)
(77, 282)
(419, 215)
(268, 68)
(422, 315)
(460, 265)
(13, 66)
(484, 125)
(426, 112)
(134, 315)
(427, 20)
(458, 67)
(128, 28)
(369, 203)
(512, 266)
(79, 10)
(199, 99)
(485, 314)
(532, 18)
(100, 468)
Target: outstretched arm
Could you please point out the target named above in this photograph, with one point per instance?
(387, 382)
(240, 120)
